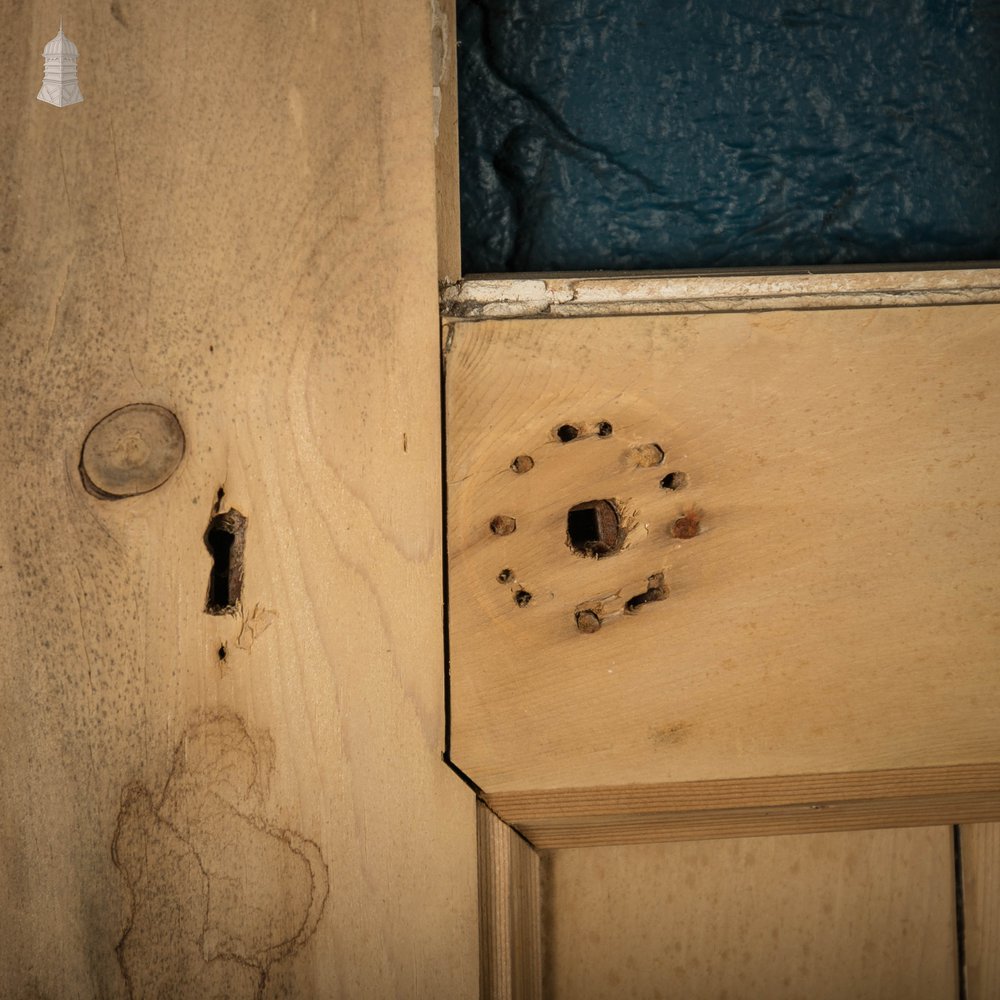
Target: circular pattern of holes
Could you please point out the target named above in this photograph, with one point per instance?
(594, 527)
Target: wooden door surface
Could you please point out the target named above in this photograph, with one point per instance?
(629, 668)
(725, 572)
(222, 697)
(233, 236)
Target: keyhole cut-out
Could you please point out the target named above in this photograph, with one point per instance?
(224, 539)
(593, 528)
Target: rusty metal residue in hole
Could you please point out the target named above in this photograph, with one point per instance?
(688, 524)
(656, 590)
(594, 528)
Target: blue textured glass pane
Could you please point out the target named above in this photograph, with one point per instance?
(658, 134)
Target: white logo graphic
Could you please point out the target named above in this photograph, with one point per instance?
(59, 87)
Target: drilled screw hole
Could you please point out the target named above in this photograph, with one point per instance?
(604, 429)
(593, 528)
(503, 524)
(522, 464)
(505, 576)
(674, 481)
(588, 621)
(522, 598)
(567, 433)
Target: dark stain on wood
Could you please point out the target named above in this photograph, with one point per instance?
(217, 893)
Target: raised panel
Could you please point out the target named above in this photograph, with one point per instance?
(824, 528)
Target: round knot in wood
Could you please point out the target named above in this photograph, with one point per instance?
(132, 450)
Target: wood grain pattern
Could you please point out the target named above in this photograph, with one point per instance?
(833, 615)
(574, 817)
(510, 912)
(237, 224)
(981, 893)
(861, 915)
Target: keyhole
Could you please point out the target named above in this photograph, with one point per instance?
(224, 540)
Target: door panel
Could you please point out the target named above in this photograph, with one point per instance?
(725, 573)
(863, 914)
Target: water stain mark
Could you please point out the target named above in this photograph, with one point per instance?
(217, 893)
